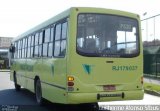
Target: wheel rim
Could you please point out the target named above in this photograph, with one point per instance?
(38, 91)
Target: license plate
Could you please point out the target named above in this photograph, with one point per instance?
(109, 87)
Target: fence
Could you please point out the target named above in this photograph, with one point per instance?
(151, 43)
(152, 61)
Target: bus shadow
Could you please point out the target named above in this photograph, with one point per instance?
(61, 107)
(12, 97)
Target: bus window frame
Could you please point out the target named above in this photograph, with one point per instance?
(114, 56)
(41, 32)
(62, 21)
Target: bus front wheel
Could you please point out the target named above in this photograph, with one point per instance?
(38, 92)
(17, 87)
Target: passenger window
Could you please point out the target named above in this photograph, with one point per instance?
(20, 49)
(47, 35)
(57, 48)
(32, 46)
(40, 44)
(24, 43)
(36, 51)
(64, 30)
(25, 54)
(23, 48)
(52, 33)
(45, 46)
(60, 40)
(58, 32)
(40, 37)
(28, 52)
(40, 50)
(36, 45)
(29, 41)
(63, 48)
(36, 38)
(32, 43)
(19, 44)
(29, 47)
(32, 49)
(50, 49)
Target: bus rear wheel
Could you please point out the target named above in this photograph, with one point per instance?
(90, 106)
(17, 87)
(38, 92)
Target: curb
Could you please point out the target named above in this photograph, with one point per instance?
(4, 70)
(155, 93)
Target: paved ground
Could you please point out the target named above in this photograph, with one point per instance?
(25, 99)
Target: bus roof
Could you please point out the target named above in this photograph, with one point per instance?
(67, 13)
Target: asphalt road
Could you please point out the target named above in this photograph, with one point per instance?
(24, 99)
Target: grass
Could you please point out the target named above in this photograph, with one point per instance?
(152, 87)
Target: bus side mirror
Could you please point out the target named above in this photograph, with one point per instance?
(12, 49)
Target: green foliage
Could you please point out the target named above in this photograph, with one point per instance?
(152, 87)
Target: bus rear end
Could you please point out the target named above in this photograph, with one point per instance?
(105, 56)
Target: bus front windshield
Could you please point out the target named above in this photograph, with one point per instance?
(102, 35)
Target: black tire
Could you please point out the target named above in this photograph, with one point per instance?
(95, 106)
(17, 87)
(90, 107)
(38, 92)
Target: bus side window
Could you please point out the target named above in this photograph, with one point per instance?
(52, 34)
(36, 45)
(57, 40)
(40, 44)
(16, 50)
(46, 41)
(26, 41)
(50, 49)
(63, 39)
(23, 48)
(50, 45)
(60, 40)
(32, 46)
(45, 46)
(29, 47)
(19, 49)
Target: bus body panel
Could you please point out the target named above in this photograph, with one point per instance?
(52, 74)
(93, 74)
(77, 98)
(120, 73)
(54, 79)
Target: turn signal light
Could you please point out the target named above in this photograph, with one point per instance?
(70, 78)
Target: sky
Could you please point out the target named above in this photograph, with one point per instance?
(18, 16)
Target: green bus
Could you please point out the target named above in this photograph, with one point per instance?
(83, 55)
